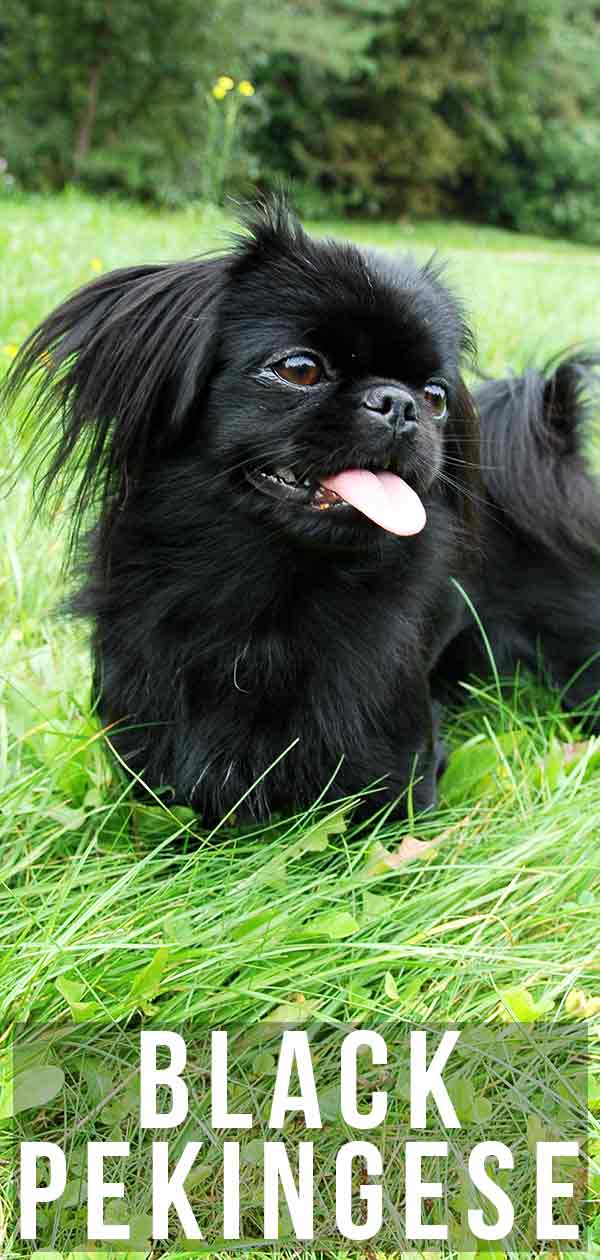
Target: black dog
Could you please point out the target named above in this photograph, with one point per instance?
(261, 435)
(538, 590)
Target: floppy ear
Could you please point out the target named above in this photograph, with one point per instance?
(118, 366)
(462, 450)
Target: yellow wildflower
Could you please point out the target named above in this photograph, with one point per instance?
(11, 351)
(218, 92)
(225, 81)
(96, 264)
(246, 88)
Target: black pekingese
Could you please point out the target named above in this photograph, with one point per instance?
(262, 436)
(284, 466)
(537, 592)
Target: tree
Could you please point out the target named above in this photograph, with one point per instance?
(106, 90)
(486, 107)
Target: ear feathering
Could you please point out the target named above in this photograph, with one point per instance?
(111, 374)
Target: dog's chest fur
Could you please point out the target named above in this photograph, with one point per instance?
(212, 671)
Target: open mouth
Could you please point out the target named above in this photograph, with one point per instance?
(283, 484)
(379, 494)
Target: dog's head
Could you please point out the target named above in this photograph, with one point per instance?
(316, 386)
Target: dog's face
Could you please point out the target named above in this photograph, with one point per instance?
(304, 383)
(332, 364)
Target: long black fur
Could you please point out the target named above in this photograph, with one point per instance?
(227, 628)
(538, 590)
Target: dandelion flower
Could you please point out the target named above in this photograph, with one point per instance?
(246, 88)
(96, 264)
(225, 81)
(219, 92)
(11, 351)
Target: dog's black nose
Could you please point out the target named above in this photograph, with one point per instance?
(393, 404)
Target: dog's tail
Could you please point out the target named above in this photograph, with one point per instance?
(539, 448)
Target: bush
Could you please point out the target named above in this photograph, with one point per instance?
(386, 108)
(552, 184)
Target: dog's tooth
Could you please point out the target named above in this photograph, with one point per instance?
(285, 474)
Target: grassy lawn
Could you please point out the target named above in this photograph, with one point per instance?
(345, 924)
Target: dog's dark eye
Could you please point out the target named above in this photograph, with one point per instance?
(299, 369)
(436, 397)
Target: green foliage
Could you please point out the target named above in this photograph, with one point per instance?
(399, 134)
(112, 95)
(397, 107)
(535, 165)
(552, 182)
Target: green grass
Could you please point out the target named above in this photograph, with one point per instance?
(309, 911)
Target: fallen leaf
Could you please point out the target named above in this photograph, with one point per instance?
(574, 752)
(409, 849)
(146, 985)
(380, 859)
(475, 767)
(519, 1006)
(316, 840)
(471, 1106)
(375, 906)
(253, 1152)
(72, 990)
(575, 1002)
(36, 1087)
(330, 1105)
(390, 987)
(98, 1080)
(292, 1013)
(68, 818)
(336, 925)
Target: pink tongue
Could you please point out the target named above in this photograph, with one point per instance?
(383, 497)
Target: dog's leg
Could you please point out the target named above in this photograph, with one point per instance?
(404, 759)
